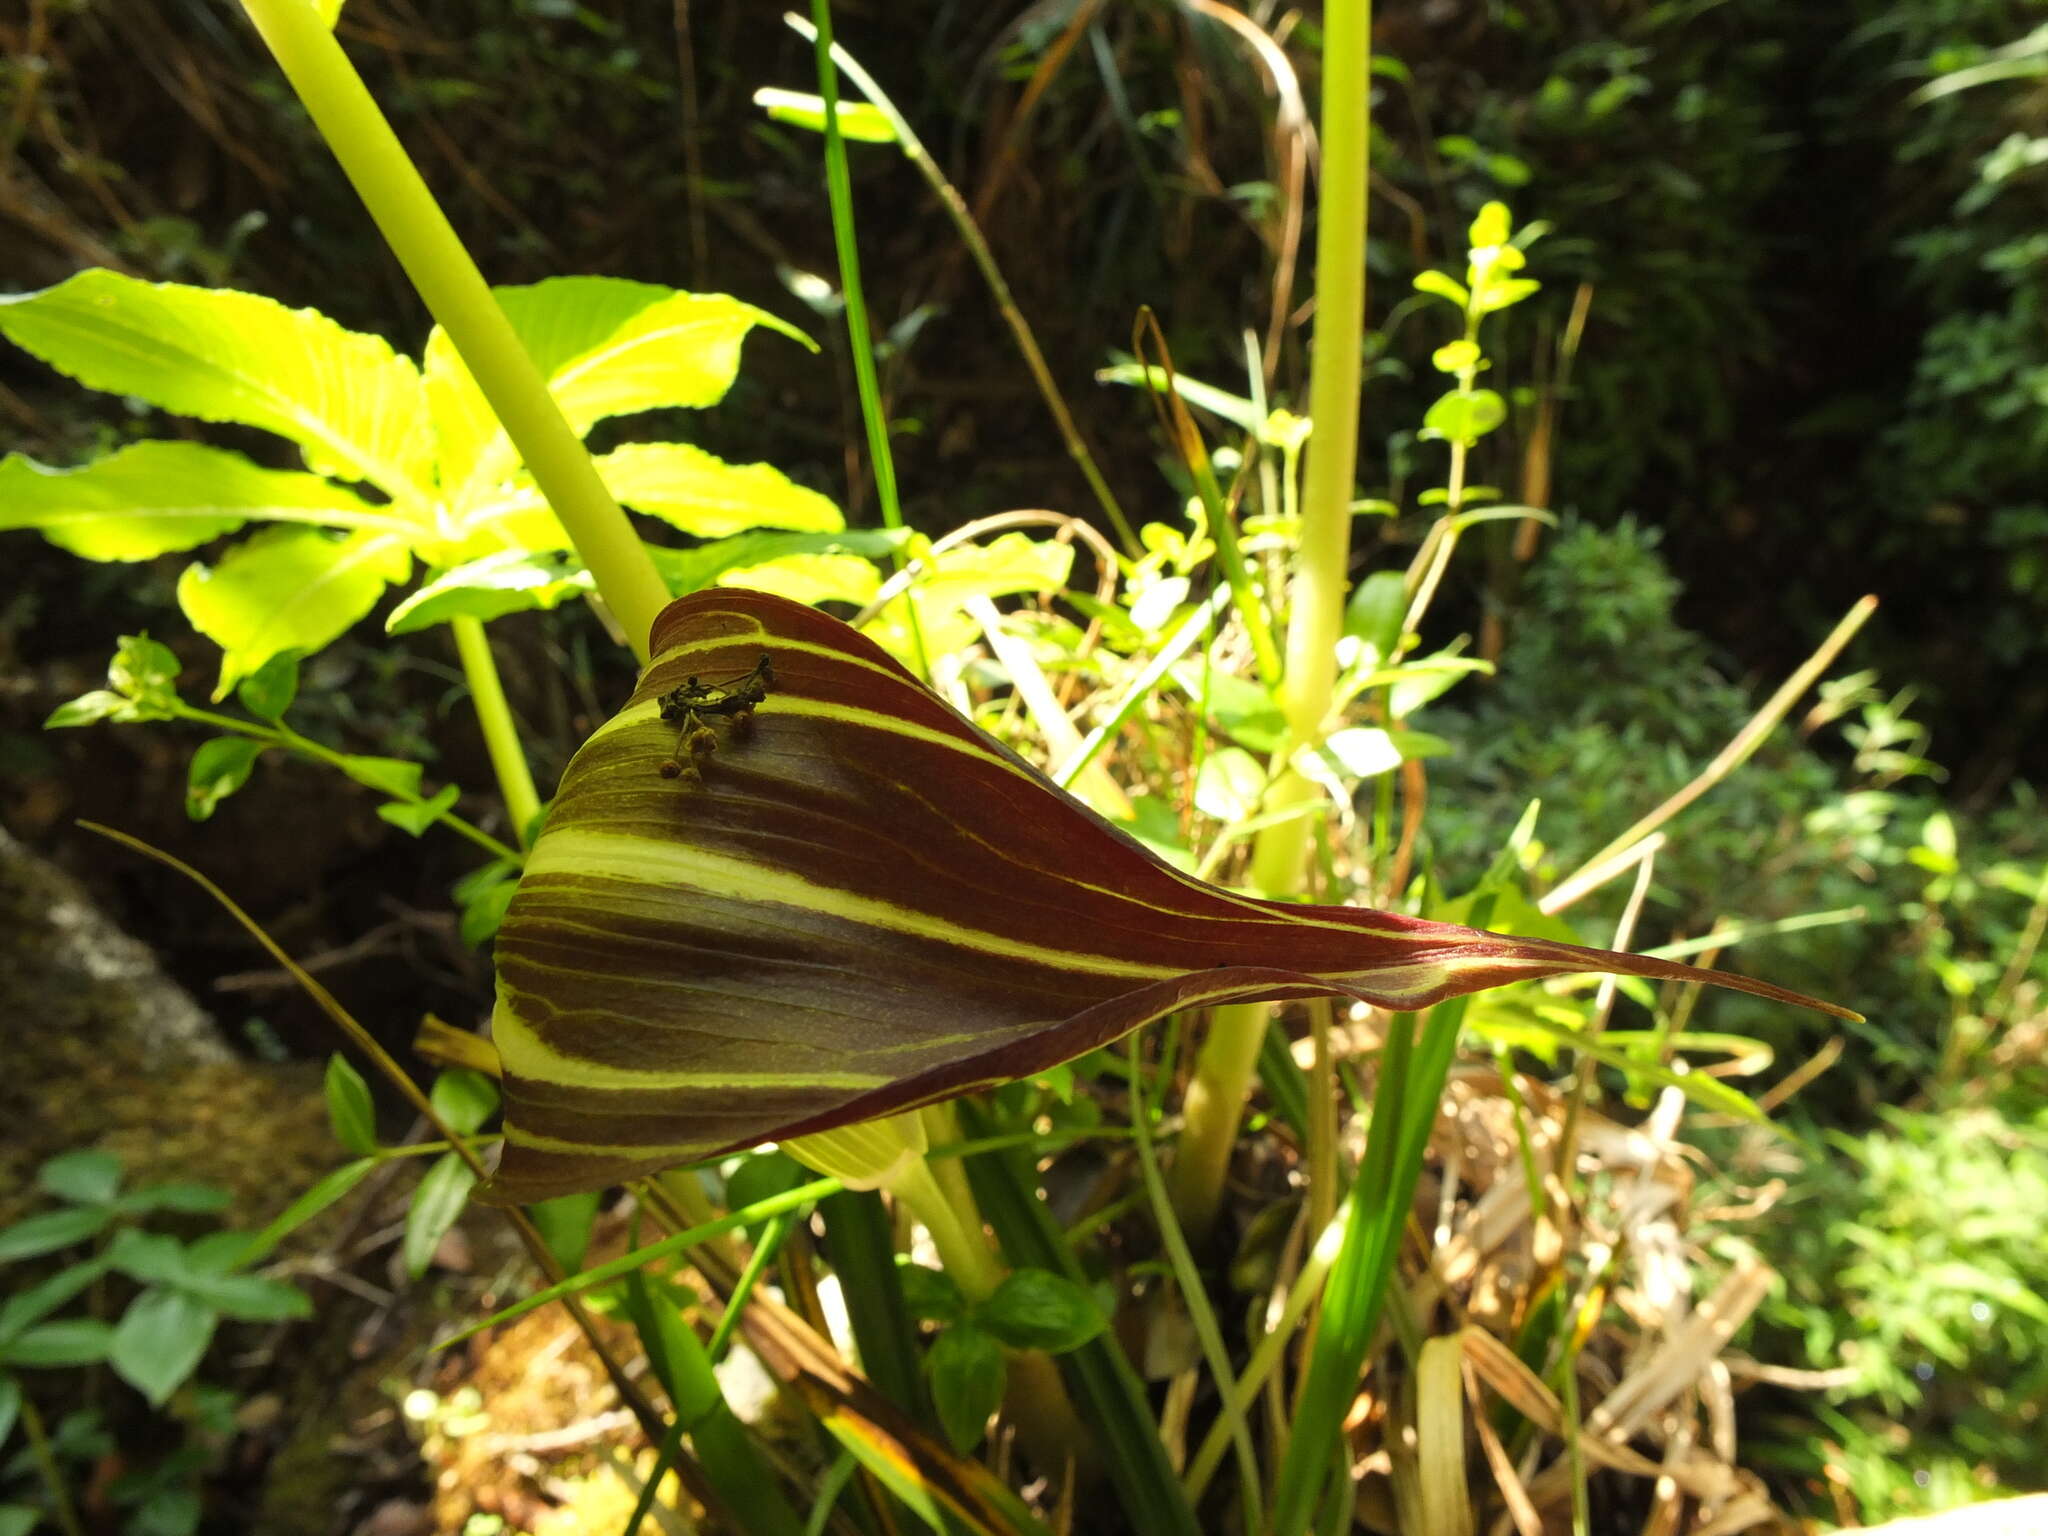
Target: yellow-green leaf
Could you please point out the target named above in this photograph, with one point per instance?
(287, 589)
(149, 499)
(701, 494)
(607, 347)
(352, 404)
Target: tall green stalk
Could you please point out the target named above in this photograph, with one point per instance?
(501, 735)
(1319, 579)
(455, 292)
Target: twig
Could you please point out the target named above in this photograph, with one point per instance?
(1741, 746)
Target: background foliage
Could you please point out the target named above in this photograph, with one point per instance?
(1815, 340)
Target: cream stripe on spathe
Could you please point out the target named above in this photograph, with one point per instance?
(640, 861)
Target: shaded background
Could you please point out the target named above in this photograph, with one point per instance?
(1814, 364)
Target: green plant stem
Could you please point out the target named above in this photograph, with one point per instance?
(1435, 556)
(1266, 1354)
(839, 187)
(999, 288)
(38, 1437)
(455, 292)
(1200, 1313)
(966, 1255)
(291, 741)
(859, 340)
(1223, 1070)
(494, 716)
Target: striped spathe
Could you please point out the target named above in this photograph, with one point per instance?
(853, 902)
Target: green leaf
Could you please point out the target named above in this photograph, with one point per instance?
(607, 347)
(416, 816)
(50, 1231)
(1423, 681)
(858, 120)
(10, 1406)
(24, 1308)
(1456, 356)
(967, 1374)
(269, 691)
(930, 1294)
(483, 895)
(1490, 226)
(84, 1177)
(1230, 784)
(287, 589)
(349, 1109)
(219, 768)
(149, 499)
(762, 1177)
(302, 1210)
(1234, 409)
(1374, 614)
(88, 709)
(691, 570)
(1502, 292)
(509, 581)
(394, 776)
(700, 494)
(53, 1346)
(188, 1199)
(1037, 1309)
(146, 671)
(251, 1298)
(810, 579)
(435, 1205)
(153, 1258)
(19, 1519)
(465, 1099)
(1443, 286)
(1465, 415)
(1010, 563)
(1243, 709)
(353, 405)
(565, 1224)
(160, 1341)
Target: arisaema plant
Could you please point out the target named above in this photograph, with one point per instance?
(786, 889)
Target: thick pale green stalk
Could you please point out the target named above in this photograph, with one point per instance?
(1315, 621)
(501, 736)
(455, 292)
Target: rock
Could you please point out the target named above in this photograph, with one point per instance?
(104, 1050)
(65, 968)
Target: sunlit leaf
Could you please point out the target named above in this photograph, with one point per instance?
(689, 570)
(700, 494)
(149, 499)
(352, 404)
(1464, 415)
(606, 347)
(857, 119)
(287, 589)
(856, 903)
(509, 581)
